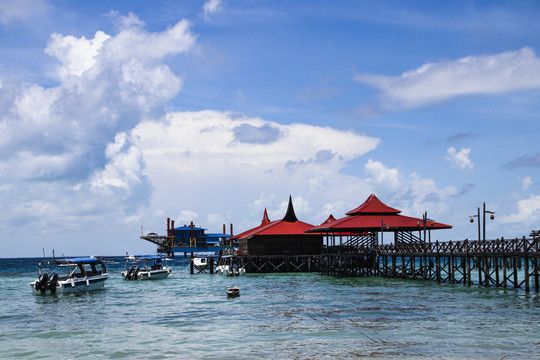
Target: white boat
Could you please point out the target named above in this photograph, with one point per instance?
(227, 266)
(222, 269)
(146, 267)
(75, 275)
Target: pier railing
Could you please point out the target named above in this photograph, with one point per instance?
(489, 263)
(530, 246)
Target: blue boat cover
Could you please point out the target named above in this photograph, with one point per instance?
(80, 260)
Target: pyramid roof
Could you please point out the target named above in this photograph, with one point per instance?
(374, 215)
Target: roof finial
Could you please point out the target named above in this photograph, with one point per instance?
(265, 219)
(290, 215)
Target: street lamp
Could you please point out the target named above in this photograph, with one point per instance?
(484, 211)
(424, 221)
(383, 225)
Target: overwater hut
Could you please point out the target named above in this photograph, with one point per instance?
(361, 226)
(280, 237)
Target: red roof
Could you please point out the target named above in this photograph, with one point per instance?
(373, 215)
(289, 225)
(265, 221)
(373, 206)
(330, 219)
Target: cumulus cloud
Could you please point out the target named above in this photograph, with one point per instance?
(436, 82)
(528, 212)
(460, 159)
(197, 158)
(76, 55)
(66, 151)
(413, 193)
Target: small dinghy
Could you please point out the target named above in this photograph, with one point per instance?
(233, 292)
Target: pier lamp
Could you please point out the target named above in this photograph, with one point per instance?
(491, 216)
(425, 222)
(383, 226)
(484, 211)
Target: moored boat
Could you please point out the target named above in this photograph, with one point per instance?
(228, 266)
(75, 275)
(146, 267)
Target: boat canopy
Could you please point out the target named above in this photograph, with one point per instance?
(144, 257)
(72, 261)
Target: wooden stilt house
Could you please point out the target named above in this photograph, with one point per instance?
(280, 237)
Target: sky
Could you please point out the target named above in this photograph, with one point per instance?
(116, 115)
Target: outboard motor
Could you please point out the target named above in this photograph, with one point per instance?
(41, 284)
(52, 283)
(132, 272)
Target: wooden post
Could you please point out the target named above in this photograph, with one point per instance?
(514, 261)
(526, 269)
(486, 271)
(413, 267)
(496, 260)
(504, 266)
(438, 268)
(403, 271)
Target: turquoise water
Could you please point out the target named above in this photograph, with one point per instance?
(279, 316)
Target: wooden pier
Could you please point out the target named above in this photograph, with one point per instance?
(498, 263)
(488, 263)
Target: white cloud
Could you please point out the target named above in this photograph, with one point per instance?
(76, 55)
(196, 157)
(528, 212)
(383, 176)
(526, 182)
(413, 193)
(435, 82)
(211, 7)
(460, 159)
(67, 159)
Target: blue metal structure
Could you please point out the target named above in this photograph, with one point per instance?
(190, 239)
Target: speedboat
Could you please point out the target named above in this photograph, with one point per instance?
(76, 275)
(146, 267)
(228, 266)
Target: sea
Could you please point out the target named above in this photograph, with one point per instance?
(276, 316)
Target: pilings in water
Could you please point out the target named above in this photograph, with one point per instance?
(263, 264)
(281, 263)
(491, 263)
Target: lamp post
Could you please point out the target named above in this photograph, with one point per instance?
(490, 216)
(484, 211)
(382, 229)
(425, 221)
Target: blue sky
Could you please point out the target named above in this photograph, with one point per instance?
(116, 115)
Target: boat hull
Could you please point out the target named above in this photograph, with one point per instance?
(149, 275)
(74, 285)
